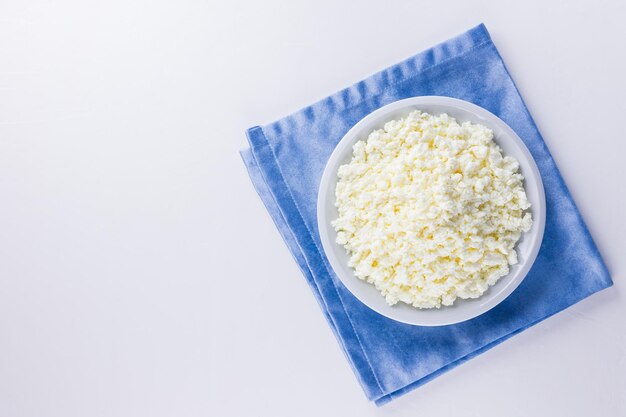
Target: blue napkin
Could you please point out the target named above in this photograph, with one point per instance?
(285, 162)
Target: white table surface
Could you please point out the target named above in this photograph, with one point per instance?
(140, 274)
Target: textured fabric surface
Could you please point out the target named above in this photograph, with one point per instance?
(285, 162)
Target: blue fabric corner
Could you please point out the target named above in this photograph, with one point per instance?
(286, 160)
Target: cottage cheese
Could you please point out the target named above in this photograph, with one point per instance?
(430, 210)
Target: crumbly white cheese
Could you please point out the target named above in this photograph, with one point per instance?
(430, 210)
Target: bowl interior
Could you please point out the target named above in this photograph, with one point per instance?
(527, 247)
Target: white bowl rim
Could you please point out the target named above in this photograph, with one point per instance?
(507, 139)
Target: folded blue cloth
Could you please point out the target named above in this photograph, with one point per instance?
(285, 162)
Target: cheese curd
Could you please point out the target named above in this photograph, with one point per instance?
(430, 210)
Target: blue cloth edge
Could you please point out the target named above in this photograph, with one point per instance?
(402, 71)
(418, 383)
(347, 336)
(559, 176)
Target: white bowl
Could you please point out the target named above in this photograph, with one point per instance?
(527, 247)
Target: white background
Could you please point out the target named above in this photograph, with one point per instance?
(140, 274)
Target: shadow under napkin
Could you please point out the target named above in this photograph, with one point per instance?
(286, 160)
